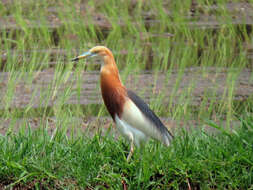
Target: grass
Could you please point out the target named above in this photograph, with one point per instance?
(223, 160)
(151, 36)
(76, 32)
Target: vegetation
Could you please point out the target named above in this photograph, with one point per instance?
(195, 160)
(38, 38)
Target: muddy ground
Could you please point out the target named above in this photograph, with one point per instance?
(213, 81)
(196, 82)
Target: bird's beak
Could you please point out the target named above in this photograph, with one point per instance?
(84, 55)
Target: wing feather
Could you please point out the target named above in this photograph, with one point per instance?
(151, 117)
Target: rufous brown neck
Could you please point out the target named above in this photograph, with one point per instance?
(109, 71)
(113, 91)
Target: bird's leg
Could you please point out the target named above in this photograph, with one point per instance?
(131, 148)
(131, 151)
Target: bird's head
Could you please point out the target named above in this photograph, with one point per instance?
(108, 67)
(102, 51)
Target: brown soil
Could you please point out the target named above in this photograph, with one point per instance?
(194, 81)
(145, 84)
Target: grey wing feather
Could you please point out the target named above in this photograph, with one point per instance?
(150, 115)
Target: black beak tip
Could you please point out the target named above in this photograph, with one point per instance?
(75, 59)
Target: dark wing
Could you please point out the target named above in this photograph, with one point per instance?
(149, 113)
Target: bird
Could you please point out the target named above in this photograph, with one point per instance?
(132, 116)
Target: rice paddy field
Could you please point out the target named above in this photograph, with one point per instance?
(191, 61)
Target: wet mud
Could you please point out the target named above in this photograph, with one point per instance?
(193, 83)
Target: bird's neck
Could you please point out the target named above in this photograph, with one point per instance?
(113, 92)
(109, 73)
